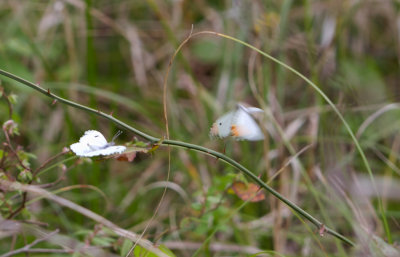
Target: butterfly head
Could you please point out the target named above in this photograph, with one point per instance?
(214, 130)
(221, 128)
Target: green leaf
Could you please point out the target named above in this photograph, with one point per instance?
(103, 241)
(141, 144)
(197, 206)
(126, 246)
(30, 155)
(18, 46)
(25, 156)
(2, 153)
(11, 127)
(25, 176)
(140, 251)
(213, 199)
(13, 98)
(76, 254)
(167, 251)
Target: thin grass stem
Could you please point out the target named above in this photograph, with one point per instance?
(198, 148)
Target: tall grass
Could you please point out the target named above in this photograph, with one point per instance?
(113, 56)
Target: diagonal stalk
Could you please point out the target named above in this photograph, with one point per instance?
(198, 148)
(381, 209)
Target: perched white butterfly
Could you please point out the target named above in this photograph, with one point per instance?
(93, 143)
(240, 124)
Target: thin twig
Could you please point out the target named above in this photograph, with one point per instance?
(35, 190)
(334, 108)
(215, 247)
(10, 109)
(169, 150)
(58, 180)
(28, 247)
(45, 250)
(292, 158)
(198, 148)
(24, 194)
(20, 208)
(35, 172)
(3, 158)
(13, 150)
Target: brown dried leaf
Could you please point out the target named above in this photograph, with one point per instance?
(248, 192)
(127, 157)
(130, 153)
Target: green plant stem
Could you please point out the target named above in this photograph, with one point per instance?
(41, 172)
(326, 98)
(198, 148)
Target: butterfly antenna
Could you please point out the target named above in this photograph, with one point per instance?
(117, 135)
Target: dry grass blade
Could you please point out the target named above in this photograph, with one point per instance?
(6, 185)
(194, 147)
(374, 116)
(28, 247)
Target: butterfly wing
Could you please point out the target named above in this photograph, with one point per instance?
(80, 148)
(222, 127)
(115, 149)
(244, 127)
(251, 110)
(94, 140)
(93, 143)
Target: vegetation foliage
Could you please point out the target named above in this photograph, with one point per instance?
(324, 72)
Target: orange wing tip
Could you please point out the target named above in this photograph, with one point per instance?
(236, 131)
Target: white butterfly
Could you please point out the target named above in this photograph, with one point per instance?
(93, 143)
(240, 124)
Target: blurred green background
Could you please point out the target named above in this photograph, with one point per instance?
(113, 56)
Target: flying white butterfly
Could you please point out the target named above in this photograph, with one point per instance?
(93, 143)
(240, 124)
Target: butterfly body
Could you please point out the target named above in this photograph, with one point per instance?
(222, 127)
(93, 143)
(240, 124)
